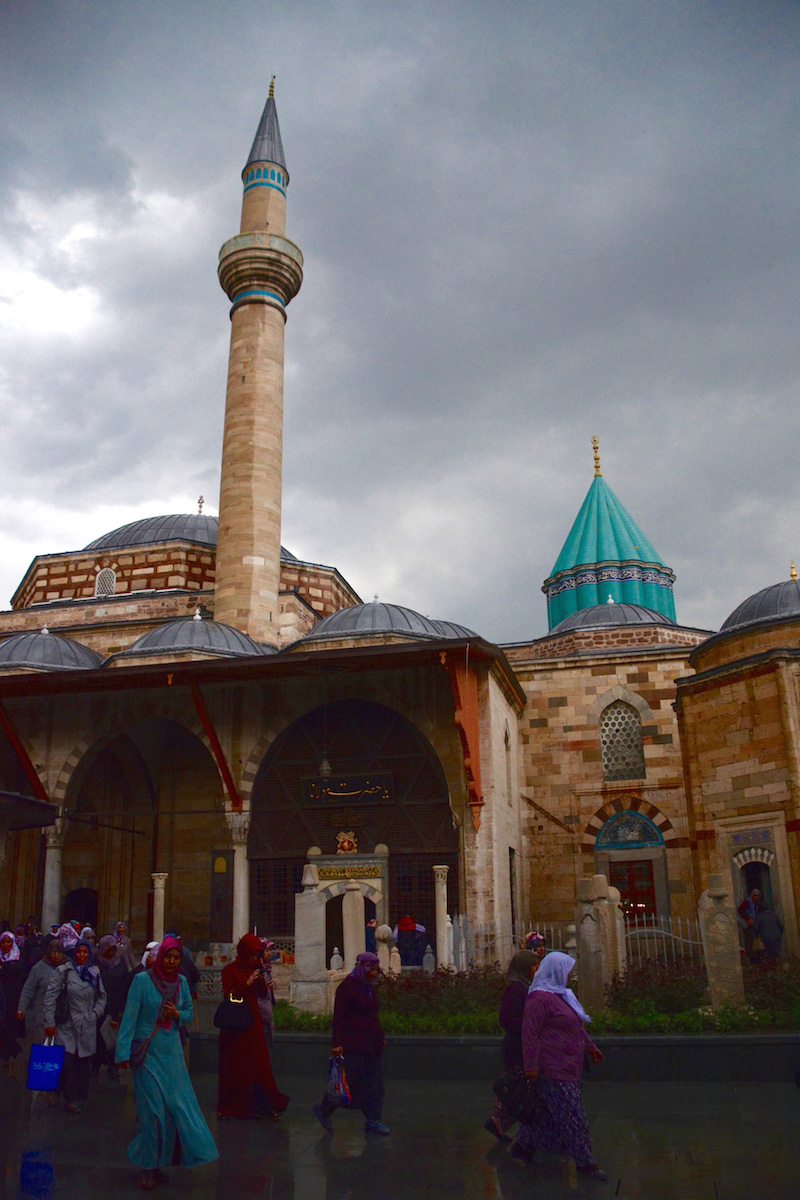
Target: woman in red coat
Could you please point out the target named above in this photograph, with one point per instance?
(247, 1086)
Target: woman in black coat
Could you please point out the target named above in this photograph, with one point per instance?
(357, 1037)
(521, 971)
(12, 977)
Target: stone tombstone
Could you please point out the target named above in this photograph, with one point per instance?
(384, 942)
(589, 939)
(606, 926)
(615, 901)
(395, 965)
(720, 934)
(337, 962)
(429, 961)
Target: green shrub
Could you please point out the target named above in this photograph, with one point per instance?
(441, 992)
(659, 987)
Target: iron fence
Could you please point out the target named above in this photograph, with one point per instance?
(670, 940)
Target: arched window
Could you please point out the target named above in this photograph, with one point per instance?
(621, 742)
(105, 582)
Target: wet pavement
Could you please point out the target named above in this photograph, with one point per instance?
(666, 1141)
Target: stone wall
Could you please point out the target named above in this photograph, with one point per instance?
(562, 772)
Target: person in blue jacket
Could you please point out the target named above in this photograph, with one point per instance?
(170, 1121)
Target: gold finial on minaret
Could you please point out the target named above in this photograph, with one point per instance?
(596, 448)
(200, 502)
(271, 88)
(793, 572)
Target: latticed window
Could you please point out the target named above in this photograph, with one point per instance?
(621, 742)
(105, 582)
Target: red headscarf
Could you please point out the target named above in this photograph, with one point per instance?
(168, 985)
(247, 945)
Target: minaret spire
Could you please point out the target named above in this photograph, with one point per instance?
(261, 272)
(596, 448)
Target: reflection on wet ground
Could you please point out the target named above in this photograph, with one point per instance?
(687, 1141)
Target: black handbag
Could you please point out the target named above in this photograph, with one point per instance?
(519, 1096)
(233, 1013)
(62, 1014)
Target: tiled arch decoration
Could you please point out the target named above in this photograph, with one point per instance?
(754, 854)
(625, 803)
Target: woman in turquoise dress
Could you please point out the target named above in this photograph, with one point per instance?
(171, 1127)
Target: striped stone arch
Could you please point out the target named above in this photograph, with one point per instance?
(254, 761)
(102, 735)
(620, 804)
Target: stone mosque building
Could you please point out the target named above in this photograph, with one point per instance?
(203, 707)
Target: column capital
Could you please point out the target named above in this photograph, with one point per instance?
(239, 826)
(440, 874)
(55, 834)
(159, 879)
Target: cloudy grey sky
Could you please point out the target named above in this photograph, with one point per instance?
(523, 224)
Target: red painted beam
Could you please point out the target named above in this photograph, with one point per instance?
(23, 756)
(211, 734)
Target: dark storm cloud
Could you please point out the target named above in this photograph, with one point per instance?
(522, 224)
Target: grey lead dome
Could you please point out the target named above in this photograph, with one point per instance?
(43, 651)
(777, 600)
(177, 527)
(364, 619)
(609, 616)
(187, 633)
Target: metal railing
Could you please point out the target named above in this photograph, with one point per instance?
(482, 945)
(670, 940)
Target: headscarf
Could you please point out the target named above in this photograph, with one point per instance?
(167, 985)
(406, 924)
(519, 969)
(48, 945)
(21, 935)
(150, 948)
(247, 945)
(364, 962)
(533, 941)
(108, 943)
(67, 936)
(87, 972)
(10, 955)
(552, 977)
(121, 937)
(88, 929)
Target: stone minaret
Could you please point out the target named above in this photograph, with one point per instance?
(260, 271)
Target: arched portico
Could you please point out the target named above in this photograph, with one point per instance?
(358, 767)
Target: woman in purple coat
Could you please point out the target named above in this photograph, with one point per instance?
(554, 1042)
(520, 972)
(358, 1038)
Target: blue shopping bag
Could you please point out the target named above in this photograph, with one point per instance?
(44, 1067)
(338, 1090)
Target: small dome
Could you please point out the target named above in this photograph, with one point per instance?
(778, 600)
(45, 651)
(608, 616)
(189, 633)
(180, 527)
(362, 620)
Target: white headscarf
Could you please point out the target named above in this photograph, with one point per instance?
(151, 948)
(13, 954)
(552, 976)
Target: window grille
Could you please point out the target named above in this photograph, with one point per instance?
(621, 742)
(105, 582)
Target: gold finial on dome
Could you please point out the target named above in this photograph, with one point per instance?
(793, 572)
(200, 502)
(271, 88)
(596, 448)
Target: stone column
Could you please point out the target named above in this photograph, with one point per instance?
(440, 891)
(159, 879)
(720, 935)
(354, 930)
(51, 891)
(606, 928)
(239, 825)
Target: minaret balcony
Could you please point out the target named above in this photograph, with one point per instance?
(260, 268)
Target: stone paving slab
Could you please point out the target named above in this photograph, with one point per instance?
(657, 1141)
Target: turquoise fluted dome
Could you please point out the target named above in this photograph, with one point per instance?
(606, 554)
